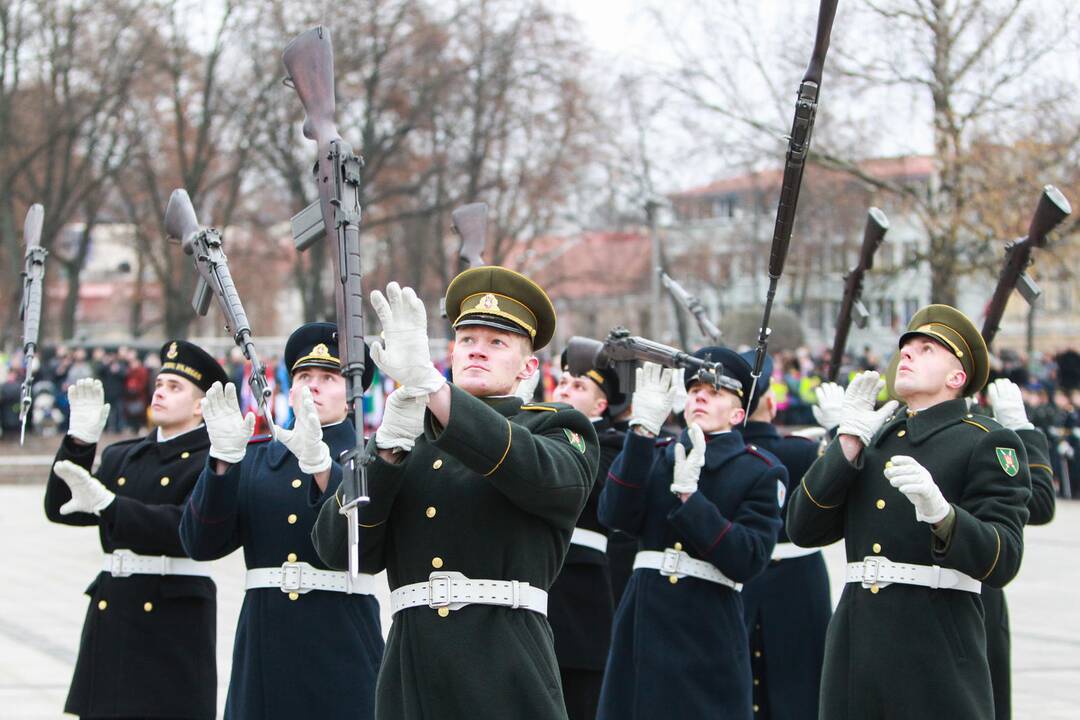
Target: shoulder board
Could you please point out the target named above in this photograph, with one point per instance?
(542, 407)
(984, 423)
(256, 439)
(752, 450)
(665, 441)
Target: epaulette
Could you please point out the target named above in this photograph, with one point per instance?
(545, 407)
(752, 450)
(256, 439)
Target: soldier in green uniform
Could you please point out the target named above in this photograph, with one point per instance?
(474, 497)
(930, 501)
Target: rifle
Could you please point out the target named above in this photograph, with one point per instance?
(802, 128)
(309, 62)
(469, 223)
(30, 307)
(1053, 207)
(877, 224)
(692, 305)
(622, 351)
(206, 248)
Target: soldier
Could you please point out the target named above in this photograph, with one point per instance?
(580, 602)
(303, 629)
(787, 607)
(147, 647)
(706, 521)
(473, 502)
(931, 503)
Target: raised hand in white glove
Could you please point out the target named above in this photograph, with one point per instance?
(678, 399)
(88, 495)
(830, 402)
(1008, 405)
(229, 431)
(909, 477)
(857, 414)
(305, 439)
(403, 353)
(89, 411)
(654, 393)
(402, 422)
(688, 467)
(526, 389)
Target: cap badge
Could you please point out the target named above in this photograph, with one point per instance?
(488, 303)
(320, 351)
(172, 353)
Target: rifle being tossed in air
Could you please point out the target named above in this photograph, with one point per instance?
(469, 223)
(1053, 207)
(692, 306)
(877, 224)
(309, 62)
(205, 247)
(798, 149)
(30, 308)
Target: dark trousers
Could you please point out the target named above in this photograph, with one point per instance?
(581, 691)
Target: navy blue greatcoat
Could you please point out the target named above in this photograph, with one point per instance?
(787, 606)
(679, 650)
(314, 656)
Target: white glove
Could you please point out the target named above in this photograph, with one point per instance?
(857, 414)
(909, 477)
(654, 393)
(1008, 405)
(678, 401)
(305, 439)
(229, 431)
(526, 389)
(830, 403)
(89, 412)
(402, 422)
(88, 495)
(403, 353)
(688, 468)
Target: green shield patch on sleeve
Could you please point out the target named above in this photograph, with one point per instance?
(1008, 460)
(576, 441)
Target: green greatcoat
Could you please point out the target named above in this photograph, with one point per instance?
(493, 495)
(909, 651)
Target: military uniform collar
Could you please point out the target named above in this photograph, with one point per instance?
(186, 442)
(601, 424)
(718, 448)
(505, 405)
(923, 424)
(756, 430)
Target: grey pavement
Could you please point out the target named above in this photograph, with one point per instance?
(46, 568)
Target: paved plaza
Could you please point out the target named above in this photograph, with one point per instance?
(48, 566)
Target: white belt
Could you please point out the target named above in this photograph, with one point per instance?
(124, 563)
(876, 571)
(300, 577)
(676, 563)
(589, 539)
(454, 591)
(789, 551)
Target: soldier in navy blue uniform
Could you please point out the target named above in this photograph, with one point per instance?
(308, 641)
(706, 521)
(580, 606)
(787, 606)
(147, 646)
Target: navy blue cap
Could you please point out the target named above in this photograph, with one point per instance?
(191, 362)
(736, 374)
(316, 345)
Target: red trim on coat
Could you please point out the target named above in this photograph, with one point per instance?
(613, 476)
(720, 537)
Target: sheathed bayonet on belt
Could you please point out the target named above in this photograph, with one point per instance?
(877, 224)
(309, 62)
(691, 305)
(798, 151)
(30, 308)
(469, 223)
(205, 247)
(1053, 207)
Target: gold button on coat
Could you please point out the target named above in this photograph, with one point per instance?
(437, 464)
(185, 455)
(880, 504)
(430, 512)
(164, 481)
(436, 562)
(147, 606)
(757, 653)
(292, 518)
(443, 612)
(874, 589)
(292, 557)
(102, 604)
(902, 433)
(294, 596)
(678, 546)
(672, 579)
(120, 481)
(297, 483)
(877, 547)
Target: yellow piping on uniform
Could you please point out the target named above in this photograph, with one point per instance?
(1040, 465)
(981, 427)
(509, 440)
(371, 526)
(538, 407)
(996, 554)
(807, 491)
